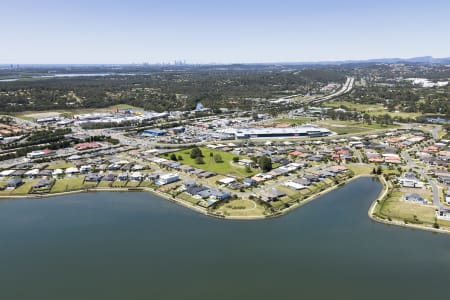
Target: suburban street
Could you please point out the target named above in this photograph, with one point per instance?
(413, 166)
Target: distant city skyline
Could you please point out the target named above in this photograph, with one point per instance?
(201, 32)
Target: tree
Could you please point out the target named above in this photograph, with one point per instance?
(173, 157)
(265, 163)
(180, 157)
(218, 158)
(196, 152)
(379, 170)
(366, 118)
(199, 160)
(235, 159)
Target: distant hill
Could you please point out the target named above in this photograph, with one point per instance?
(420, 59)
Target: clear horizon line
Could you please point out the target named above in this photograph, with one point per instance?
(183, 62)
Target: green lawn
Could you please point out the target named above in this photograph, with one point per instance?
(371, 109)
(119, 184)
(21, 190)
(277, 204)
(188, 198)
(291, 193)
(105, 184)
(68, 184)
(294, 120)
(241, 207)
(351, 127)
(227, 167)
(146, 183)
(396, 208)
(133, 183)
(60, 166)
(361, 169)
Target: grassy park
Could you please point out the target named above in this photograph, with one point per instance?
(226, 167)
(241, 208)
(371, 109)
(394, 207)
(352, 127)
(294, 120)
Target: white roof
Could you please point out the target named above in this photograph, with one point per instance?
(57, 171)
(159, 160)
(74, 157)
(168, 175)
(295, 185)
(227, 180)
(274, 130)
(6, 172)
(136, 174)
(32, 172)
(72, 170)
(391, 155)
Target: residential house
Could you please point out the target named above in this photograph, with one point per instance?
(14, 183)
(122, 177)
(226, 180)
(410, 180)
(109, 177)
(294, 185)
(85, 169)
(32, 173)
(250, 182)
(206, 174)
(272, 195)
(44, 184)
(413, 197)
(72, 170)
(167, 178)
(57, 172)
(93, 178)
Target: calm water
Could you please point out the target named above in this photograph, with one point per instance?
(137, 246)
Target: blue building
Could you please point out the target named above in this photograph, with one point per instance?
(154, 132)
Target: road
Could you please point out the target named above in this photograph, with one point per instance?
(358, 155)
(347, 87)
(435, 132)
(412, 165)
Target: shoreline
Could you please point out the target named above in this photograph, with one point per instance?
(315, 196)
(399, 223)
(203, 211)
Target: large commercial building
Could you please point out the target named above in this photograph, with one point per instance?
(154, 132)
(291, 132)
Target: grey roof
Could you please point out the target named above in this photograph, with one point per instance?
(14, 182)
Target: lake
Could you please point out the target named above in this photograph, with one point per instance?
(139, 246)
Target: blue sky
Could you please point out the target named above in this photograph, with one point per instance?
(99, 31)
